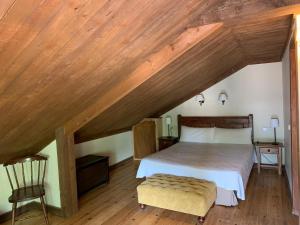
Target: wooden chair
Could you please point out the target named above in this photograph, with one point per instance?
(26, 177)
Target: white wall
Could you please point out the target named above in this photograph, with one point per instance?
(287, 114)
(52, 176)
(118, 147)
(256, 89)
(51, 181)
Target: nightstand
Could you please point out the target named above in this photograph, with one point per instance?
(269, 148)
(165, 142)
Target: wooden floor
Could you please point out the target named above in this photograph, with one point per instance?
(267, 203)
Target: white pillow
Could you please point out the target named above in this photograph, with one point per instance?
(199, 135)
(233, 136)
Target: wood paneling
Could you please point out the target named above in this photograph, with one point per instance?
(144, 72)
(5, 6)
(225, 51)
(60, 59)
(267, 203)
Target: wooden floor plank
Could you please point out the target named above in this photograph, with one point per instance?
(268, 203)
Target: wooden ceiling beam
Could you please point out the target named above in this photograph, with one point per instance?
(154, 64)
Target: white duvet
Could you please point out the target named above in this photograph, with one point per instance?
(228, 165)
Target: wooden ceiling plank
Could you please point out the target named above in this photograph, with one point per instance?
(33, 25)
(45, 43)
(155, 63)
(268, 7)
(252, 34)
(15, 17)
(5, 6)
(267, 14)
(21, 129)
(75, 53)
(22, 122)
(40, 58)
(78, 63)
(107, 52)
(229, 10)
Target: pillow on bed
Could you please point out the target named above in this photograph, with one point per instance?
(233, 136)
(199, 135)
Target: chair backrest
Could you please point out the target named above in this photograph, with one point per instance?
(26, 171)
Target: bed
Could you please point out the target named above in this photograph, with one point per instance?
(227, 164)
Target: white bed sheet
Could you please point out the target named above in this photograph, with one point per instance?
(228, 165)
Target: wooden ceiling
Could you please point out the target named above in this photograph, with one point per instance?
(99, 67)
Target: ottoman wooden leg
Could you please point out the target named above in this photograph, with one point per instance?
(201, 220)
(142, 206)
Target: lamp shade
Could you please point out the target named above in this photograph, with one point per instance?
(168, 120)
(274, 122)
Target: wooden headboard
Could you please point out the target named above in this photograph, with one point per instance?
(230, 122)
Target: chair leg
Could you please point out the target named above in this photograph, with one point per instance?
(44, 209)
(14, 208)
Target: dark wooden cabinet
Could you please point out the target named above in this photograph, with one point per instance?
(91, 171)
(165, 142)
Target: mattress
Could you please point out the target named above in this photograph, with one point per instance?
(227, 165)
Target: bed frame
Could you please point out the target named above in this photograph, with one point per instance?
(230, 122)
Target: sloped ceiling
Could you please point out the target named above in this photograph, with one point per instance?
(222, 53)
(59, 59)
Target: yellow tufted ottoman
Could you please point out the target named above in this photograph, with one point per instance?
(182, 194)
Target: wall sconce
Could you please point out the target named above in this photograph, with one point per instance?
(223, 97)
(200, 98)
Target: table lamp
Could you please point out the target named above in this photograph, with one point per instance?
(274, 124)
(169, 122)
